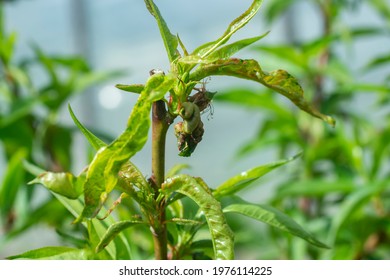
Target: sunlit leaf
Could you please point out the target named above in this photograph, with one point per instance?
(170, 40)
(65, 184)
(198, 191)
(184, 222)
(245, 178)
(275, 218)
(135, 88)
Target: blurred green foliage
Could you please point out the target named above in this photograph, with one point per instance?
(341, 189)
(30, 130)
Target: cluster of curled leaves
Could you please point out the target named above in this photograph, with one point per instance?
(111, 169)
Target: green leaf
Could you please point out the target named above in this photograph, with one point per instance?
(229, 50)
(198, 191)
(13, 179)
(65, 184)
(208, 48)
(184, 222)
(275, 218)
(350, 205)
(54, 253)
(381, 61)
(315, 188)
(102, 174)
(113, 231)
(170, 40)
(223, 52)
(120, 249)
(92, 139)
(245, 178)
(276, 9)
(278, 80)
(135, 88)
(20, 109)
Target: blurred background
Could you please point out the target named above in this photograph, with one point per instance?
(60, 52)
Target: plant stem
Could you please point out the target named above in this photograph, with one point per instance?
(159, 130)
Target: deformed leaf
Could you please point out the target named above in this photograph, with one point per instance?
(275, 218)
(197, 190)
(63, 183)
(113, 231)
(278, 80)
(243, 179)
(184, 222)
(135, 88)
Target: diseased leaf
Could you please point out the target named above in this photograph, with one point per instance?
(65, 184)
(208, 48)
(275, 218)
(184, 222)
(278, 80)
(113, 231)
(102, 174)
(197, 190)
(245, 178)
(170, 40)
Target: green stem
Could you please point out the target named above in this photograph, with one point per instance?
(159, 131)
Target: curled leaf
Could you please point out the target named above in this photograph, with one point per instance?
(135, 88)
(65, 184)
(279, 80)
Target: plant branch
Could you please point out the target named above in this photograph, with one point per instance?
(159, 130)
